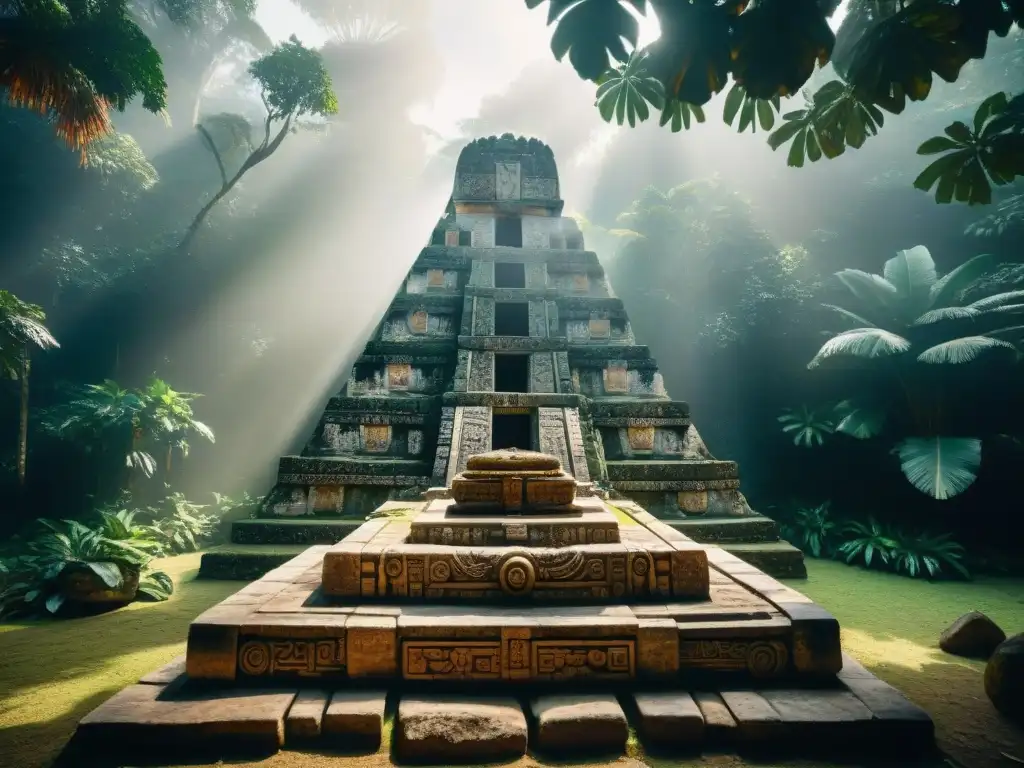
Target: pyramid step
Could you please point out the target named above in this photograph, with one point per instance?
(240, 562)
(737, 530)
(303, 530)
(779, 559)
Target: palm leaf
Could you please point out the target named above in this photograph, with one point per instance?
(862, 423)
(949, 286)
(946, 313)
(962, 350)
(861, 322)
(997, 300)
(872, 289)
(911, 272)
(942, 467)
(861, 342)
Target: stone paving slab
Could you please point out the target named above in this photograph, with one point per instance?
(306, 716)
(668, 720)
(155, 718)
(355, 718)
(445, 730)
(581, 723)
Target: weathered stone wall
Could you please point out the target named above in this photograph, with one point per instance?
(595, 382)
(480, 226)
(407, 325)
(481, 372)
(397, 377)
(483, 316)
(542, 372)
(427, 281)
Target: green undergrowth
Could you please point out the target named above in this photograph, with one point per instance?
(55, 672)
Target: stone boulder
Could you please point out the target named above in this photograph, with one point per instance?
(1004, 678)
(974, 635)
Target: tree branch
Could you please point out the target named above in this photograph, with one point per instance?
(208, 140)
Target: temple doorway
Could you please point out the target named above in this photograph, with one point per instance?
(508, 230)
(511, 373)
(512, 318)
(512, 430)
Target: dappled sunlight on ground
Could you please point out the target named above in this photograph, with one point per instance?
(54, 672)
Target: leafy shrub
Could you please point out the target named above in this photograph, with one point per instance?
(809, 426)
(812, 530)
(36, 582)
(180, 525)
(915, 555)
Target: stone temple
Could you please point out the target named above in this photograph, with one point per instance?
(506, 333)
(499, 600)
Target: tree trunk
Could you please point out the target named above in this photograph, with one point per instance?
(23, 421)
(167, 470)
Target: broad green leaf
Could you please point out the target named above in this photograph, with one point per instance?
(733, 102)
(962, 350)
(784, 133)
(867, 343)
(942, 467)
(795, 159)
(589, 31)
(679, 113)
(109, 573)
(911, 272)
(937, 144)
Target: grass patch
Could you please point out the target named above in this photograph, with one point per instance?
(55, 672)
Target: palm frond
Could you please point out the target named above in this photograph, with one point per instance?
(962, 350)
(861, 342)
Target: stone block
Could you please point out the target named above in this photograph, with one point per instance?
(593, 723)
(719, 724)
(669, 720)
(816, 645)
(305, 718)
(155, 719)
(896, 718)
(822, 715)
(168, 673)
(355, 718)
(756, 720)
(211, 650)
(445, 731)
(657, 648)
(973, 635)
(372, 646)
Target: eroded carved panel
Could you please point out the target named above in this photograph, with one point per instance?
(538, 319)
(577, 450)
(616, 380)
(476, 433)
(506, 181)
(552, 433)
(399, 375)
(535, 188)
(640, 439)
(375, 438)
(451, 660)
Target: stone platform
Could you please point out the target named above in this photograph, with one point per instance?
(490, 644)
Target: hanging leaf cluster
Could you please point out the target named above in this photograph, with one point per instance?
(976, 157)
(889, 54)
(834, 118)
